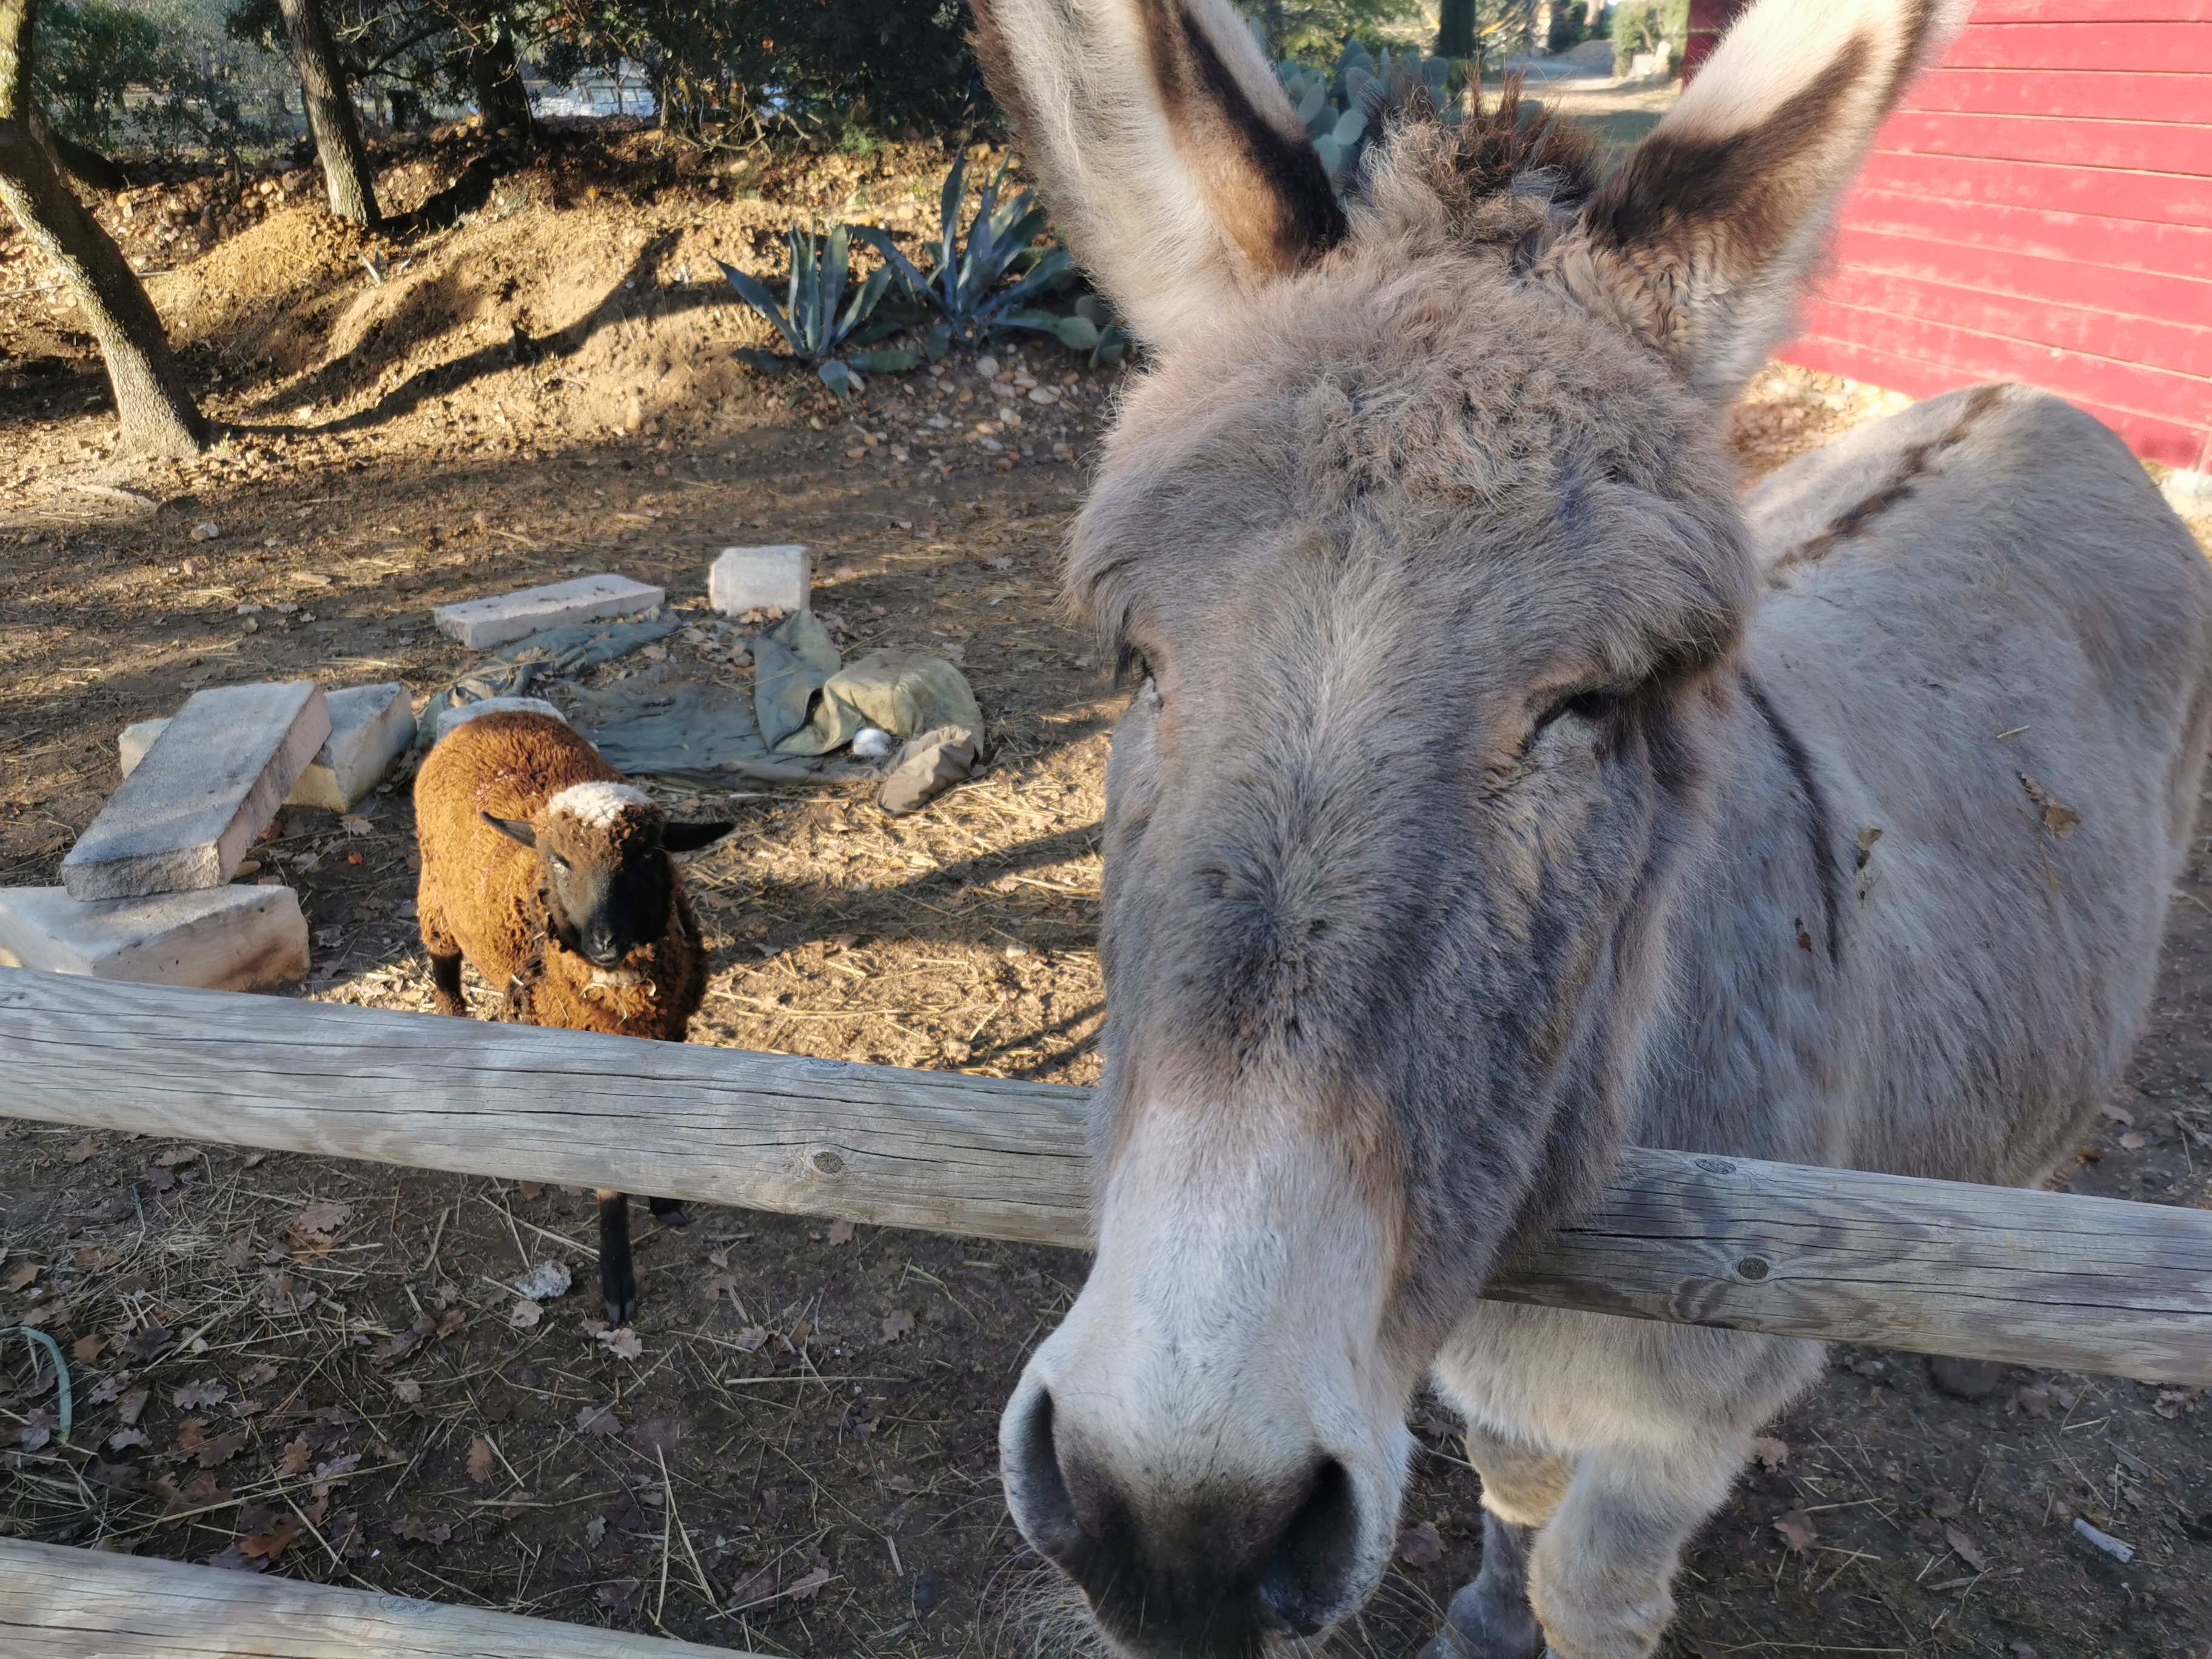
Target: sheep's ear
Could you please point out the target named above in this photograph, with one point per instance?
(514, 828)
(691, 837)
(1701, 237)
(1169, 153)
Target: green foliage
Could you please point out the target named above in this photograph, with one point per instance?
(1100, 344)
(91, 53)
(1642, 25)
(1315, 30)
(1335, 104)
(808, 318)
(962, 284)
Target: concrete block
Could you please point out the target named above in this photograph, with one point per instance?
(514, 615)
(754, 578)
(370, 726)
(2189, 494)
(209, 785)
(223, 938)
(461, 714)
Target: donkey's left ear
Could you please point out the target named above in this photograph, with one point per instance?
(1701, 238)
(1166, 146)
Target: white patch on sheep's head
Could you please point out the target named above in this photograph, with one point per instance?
(597, 805)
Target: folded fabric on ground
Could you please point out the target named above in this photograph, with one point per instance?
(552, 653)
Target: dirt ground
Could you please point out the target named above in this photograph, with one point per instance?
(318, 1368)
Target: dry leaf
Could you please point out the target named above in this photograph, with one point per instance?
(2134, 1142)
(524, 1315)
(408, 1391)
(748, 1340)
(622, 1343)
(261, 1372)
(177, 1155)
(123, 1438)
(133, 1404)
(297, 1456)
(1964, 1548)
(195, 1396)
(806, 1587)
(2034, 1403)
(21, 1275)
(599, 1420)
(191, 1435)
(222, 1449)
(530, 1188)
(2118, 1113)
(84, 1149)
(479, 1462)
(86, 1349)
(841, 1232)
(1771, 1452)
(897, 1323)
(1422, 1545)
(2059, 820)
(1797, 1531)
(418, 1530)
(268, 1545)
(283, 1295)
(201, 1492)
(595, 1530)
(149, 1344)
(38, 1429)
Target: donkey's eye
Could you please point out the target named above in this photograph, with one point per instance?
(1593, 706)
(558, 862)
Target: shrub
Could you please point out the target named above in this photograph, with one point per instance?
(808, 318)
(962, 284)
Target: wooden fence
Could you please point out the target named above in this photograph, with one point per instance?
(2038, 1279)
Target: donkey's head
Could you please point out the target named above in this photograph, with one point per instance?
(1422, 549)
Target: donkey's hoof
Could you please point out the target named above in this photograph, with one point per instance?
(669, 1212)
(1481, 1629)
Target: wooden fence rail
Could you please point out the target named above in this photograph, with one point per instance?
(2040, 1278)
(61, 1603)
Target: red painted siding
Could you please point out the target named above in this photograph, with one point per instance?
(2040, 209)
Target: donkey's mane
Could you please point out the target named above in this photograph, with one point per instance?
(1504, 172)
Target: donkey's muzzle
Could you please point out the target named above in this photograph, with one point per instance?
(1208, 1573)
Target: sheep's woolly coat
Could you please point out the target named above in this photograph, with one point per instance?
(483, 896)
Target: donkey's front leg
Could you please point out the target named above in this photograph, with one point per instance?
(1601, 1574)
(1491, 1618)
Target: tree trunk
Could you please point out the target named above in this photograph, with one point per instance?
(1592, 12)
(331, 113)
(497, 77)
(159, 417)
(1455, 28)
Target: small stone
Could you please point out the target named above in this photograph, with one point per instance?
(1965, 1379)
(747, 579)
(205, 532)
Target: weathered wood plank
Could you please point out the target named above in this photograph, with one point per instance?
(57, 1603)
(2038, 1277)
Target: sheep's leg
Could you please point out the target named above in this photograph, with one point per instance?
(617, 1273)
(1601, 1573)
(669, 1212)
(1491, 1618)
(445, 985)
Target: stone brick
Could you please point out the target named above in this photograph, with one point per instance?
(209, 785)
(513, 616)
(756, 578)
(224, 938)
(370, 726)
(461, 714)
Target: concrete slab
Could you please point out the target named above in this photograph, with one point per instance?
(209, 785)
(222, 938)
(512, 616)
(370, 726)
(745, 579)
(463, 713)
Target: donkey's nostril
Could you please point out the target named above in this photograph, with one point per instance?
(1303, 1581)
(1038, 1491)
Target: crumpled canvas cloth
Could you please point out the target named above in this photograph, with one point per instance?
(550, 654)
(808, 703)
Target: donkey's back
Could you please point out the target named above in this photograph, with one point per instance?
(1985, 656)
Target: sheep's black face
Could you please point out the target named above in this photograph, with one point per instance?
(608, 885)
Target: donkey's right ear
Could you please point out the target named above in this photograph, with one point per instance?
(1166, 146)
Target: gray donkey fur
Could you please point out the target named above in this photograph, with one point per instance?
(1499, 791)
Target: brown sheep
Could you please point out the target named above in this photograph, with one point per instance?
(551, 874)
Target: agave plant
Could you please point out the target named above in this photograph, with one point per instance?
(808, 318)
(962, 284)
(1336, 104)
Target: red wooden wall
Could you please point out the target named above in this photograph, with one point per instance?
(2040, 210)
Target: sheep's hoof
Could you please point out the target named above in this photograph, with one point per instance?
(621, 1311)
(669, 1212)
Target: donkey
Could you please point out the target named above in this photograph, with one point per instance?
(1497, 790)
